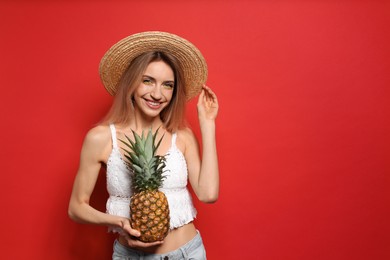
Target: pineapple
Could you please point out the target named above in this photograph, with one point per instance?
(149, 211)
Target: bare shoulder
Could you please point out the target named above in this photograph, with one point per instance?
(186, 138)
(98, 135)
(185, 134)
(98, 141)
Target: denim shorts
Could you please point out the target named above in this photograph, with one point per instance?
(193, 250)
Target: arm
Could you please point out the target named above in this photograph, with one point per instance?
(204, 174)
(90, 163)
(94, 151)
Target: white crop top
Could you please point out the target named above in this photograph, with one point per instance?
(119, 185)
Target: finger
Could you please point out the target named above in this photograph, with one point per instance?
(134, 232)
(143, 244)
(201, 97)
(213, 96)
(138, 243)
(131, 231)
(210, 92)
(206, 90)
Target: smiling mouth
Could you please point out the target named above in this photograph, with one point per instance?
(153, 104)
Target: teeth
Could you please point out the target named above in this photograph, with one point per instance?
(154, 103)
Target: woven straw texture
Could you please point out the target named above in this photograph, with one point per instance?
(119, 56)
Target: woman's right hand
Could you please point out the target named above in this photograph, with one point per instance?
(130, 236)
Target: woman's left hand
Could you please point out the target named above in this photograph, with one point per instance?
(207, 104)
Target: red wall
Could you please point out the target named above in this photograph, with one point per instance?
(303, 130)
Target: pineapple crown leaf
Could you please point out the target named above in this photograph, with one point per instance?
(154, 139)
(148, 167)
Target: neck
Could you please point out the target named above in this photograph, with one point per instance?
(141, 122)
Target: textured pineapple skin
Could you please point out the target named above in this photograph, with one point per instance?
(149, 214)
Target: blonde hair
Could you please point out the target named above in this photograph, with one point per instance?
(122, 110)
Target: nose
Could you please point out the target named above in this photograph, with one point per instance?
(155, 93)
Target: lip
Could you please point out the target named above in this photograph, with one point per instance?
(153, 104)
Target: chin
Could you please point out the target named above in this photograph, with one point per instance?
(153, 113)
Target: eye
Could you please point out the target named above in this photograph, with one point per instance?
(169, 85)
(148, 82)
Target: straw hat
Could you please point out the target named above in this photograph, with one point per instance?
(119, 56)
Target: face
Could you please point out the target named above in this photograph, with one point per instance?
(156, 89)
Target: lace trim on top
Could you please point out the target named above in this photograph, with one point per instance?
(119, 186)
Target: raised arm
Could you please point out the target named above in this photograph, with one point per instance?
(204, 173)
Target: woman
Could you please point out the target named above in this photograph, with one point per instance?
(151, 76)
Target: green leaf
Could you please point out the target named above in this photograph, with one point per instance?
(149, 145)
(137, 168)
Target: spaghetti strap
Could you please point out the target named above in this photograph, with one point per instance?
(173, 144)
(113, 136)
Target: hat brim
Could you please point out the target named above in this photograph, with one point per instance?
(119, 56)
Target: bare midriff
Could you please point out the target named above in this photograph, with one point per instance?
(174, 240)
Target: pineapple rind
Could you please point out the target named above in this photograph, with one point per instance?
(150, 215)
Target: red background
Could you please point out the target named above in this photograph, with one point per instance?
(303, 129)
